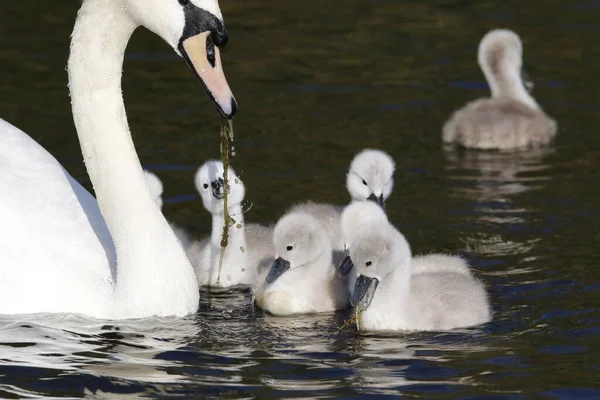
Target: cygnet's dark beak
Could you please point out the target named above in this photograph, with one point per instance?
(218, 188)
(364, 291)
(277, 269)
(377, 200)
(345, 266)
(527, 81)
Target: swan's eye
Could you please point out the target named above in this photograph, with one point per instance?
(289, 248)
(368, 263)
(364, 182)
(205, 186)
(184, 2)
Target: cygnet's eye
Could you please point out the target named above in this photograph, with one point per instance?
(205, 186)
(289, 248)
(368, 263)
(364, 182)
(184, 2)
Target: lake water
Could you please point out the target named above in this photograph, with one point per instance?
(316, 82)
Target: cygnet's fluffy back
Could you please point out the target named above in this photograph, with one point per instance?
(440, 263)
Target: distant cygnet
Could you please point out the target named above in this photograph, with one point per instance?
(511, 118)
(155, 187)
(390, 296)
(249, 247)
(370, 177)
(302, 279)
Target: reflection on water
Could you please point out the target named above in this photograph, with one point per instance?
(498, 175)
(54, 350)
(227, 348)
(490, 183)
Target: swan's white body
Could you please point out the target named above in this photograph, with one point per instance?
(432, 292)
(310, 284)
(511, 118)
(54, 243)
(370, 177)
(60, 250)
(249, 247)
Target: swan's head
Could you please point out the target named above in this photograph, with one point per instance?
(371, 176)
(500, 55)
(195, 29)
(355, 217)
(377, 251)
(210, 183)
(299, 239)
(155, 187)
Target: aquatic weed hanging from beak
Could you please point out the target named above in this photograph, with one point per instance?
(226, 134)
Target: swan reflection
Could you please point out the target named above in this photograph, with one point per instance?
(490, 183)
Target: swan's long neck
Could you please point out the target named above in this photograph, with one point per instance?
(153, 273)
(505, 81)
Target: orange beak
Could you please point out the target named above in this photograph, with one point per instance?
(204, 59)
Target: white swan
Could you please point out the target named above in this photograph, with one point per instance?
(390, 296)
(302, 279)
(56, 249)
(511, 118)
(370, 177)
(250, 247)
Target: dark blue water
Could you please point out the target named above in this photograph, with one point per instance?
(317, 82)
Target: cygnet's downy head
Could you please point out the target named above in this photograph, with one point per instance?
(155, 187)
(354, 218)
(299, 239)
(377, 251)
(210, 183)
(371, 176)
(500, 55)
(196, 31)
